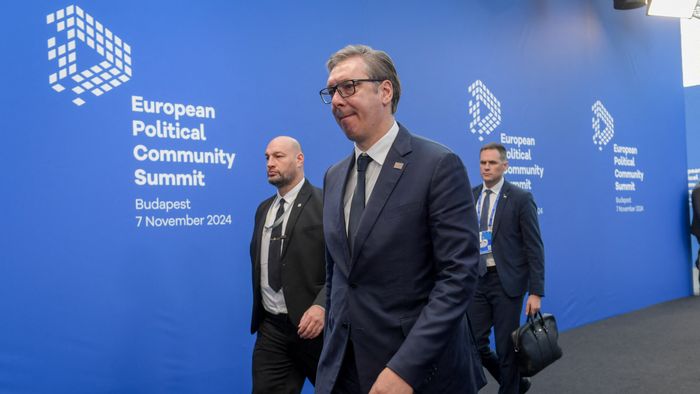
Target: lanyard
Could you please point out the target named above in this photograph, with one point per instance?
(276, 223)
(493, 208)
(279, 219)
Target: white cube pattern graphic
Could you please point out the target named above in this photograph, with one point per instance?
(601, 136)
(483, 124)
(111, 72)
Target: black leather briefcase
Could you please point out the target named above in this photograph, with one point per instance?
(536, 344)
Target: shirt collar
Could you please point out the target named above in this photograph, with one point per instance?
(380, 149)
(497, 188)
(291, 195)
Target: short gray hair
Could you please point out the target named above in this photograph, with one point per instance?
(379, 66)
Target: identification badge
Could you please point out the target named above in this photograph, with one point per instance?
(484, 242)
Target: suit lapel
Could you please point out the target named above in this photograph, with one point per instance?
(477, 192)
(345, 167)
(297, 207)
(259, 225)
(394, 166)
(500, 207)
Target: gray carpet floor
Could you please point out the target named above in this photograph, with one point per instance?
(653, 350)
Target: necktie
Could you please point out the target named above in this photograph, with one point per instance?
(357, 206)
(485, 210)
(274, 266)
(484, 225)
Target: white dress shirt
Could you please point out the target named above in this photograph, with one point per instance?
(273, 301)
(378, 153)
(496, 189)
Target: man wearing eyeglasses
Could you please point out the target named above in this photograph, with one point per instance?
(287, 254)
(401, 246)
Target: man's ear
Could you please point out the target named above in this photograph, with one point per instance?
(387, 90)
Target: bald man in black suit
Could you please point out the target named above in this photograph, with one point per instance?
(288, 256)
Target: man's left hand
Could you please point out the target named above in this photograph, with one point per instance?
(390, 383)
(311, 323)
(534, 303)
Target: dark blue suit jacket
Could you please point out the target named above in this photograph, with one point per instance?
(403, 294)
(517, 245)
(695, 224)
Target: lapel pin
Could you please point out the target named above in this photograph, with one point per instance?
(299, 205)
(398, 165)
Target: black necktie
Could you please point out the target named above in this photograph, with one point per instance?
(274, 267)
(485, 209)
(357, 206)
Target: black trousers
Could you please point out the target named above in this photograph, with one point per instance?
(281, 359)
(492, 307)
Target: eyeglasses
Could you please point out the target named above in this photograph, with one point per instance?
(345, 89)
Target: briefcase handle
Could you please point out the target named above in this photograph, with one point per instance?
(531, 319)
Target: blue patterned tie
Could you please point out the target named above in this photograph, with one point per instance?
(484, 225)
(485, 209)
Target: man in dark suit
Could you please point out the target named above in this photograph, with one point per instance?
(287, 252)
(402, 258)
(695, 225)
(513, 254)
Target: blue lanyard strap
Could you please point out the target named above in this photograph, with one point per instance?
(493, 208)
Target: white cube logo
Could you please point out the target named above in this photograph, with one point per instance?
(602, 135)
(74, 25)
(486, 119)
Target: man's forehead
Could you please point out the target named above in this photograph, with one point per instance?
(493, 153)
(276, 148)
(352, 68)
(280, 147)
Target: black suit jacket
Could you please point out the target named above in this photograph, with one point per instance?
(516, 241)
(302, 258)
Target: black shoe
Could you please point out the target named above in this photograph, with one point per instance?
(525, 384)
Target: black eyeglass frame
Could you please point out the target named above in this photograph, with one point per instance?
(331, 90)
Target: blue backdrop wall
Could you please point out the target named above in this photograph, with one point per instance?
(100, 294)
